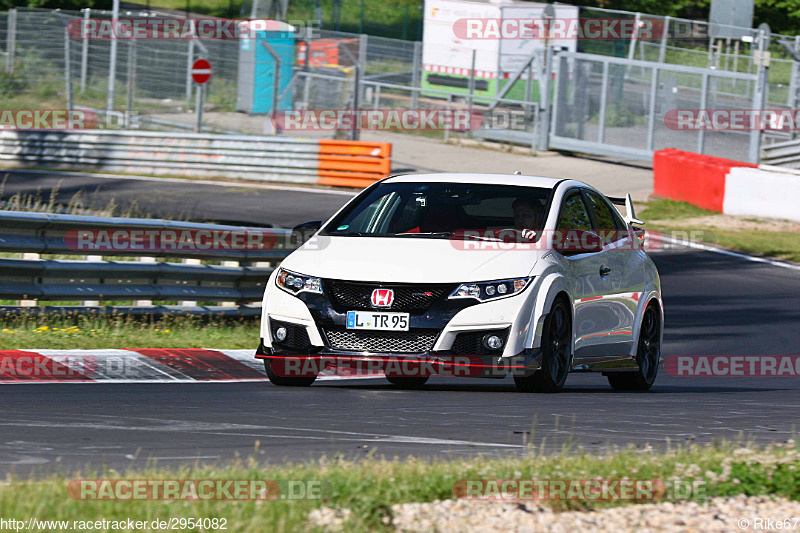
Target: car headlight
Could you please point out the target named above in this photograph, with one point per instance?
(491, 290)
(294, 283)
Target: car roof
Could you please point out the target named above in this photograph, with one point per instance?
(490, 179)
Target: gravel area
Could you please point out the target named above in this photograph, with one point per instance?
(739, 513)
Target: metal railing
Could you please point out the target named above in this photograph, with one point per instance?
(237, 282)
(186, 154)
(783, 154)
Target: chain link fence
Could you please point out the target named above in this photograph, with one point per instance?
(152, 86)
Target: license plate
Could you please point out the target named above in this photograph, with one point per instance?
(377, 320)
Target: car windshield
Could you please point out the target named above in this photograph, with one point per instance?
(438, 210)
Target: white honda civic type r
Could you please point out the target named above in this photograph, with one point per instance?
(470, 275)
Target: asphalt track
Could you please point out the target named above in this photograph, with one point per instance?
(228, 203)
(715, 305)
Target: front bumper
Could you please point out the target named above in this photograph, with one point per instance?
(325, 361)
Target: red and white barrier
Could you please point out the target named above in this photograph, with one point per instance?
(727, 186)
(765, 191)
(144, 365)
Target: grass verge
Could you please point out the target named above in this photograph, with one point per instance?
(369, 488)
(121, 332)
(755, 236)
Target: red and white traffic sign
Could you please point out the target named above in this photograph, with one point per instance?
(201, 71)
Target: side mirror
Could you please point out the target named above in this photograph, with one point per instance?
(576, 241)
(304, 231)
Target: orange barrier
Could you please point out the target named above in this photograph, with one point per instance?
(353, 163)
(690, 177)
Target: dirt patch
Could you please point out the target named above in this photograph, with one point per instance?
(728, 222)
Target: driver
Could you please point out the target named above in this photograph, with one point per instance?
(527, 216)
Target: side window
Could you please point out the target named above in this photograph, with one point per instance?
(606, 225)
(574, 215)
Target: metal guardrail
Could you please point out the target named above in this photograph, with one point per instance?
(782, 154)
(183, 154)
(142, 281)
(344, 163)
(43, 233)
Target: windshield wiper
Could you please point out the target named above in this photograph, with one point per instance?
(355, 234)
(426, 234)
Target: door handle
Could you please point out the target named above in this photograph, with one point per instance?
(604, 270)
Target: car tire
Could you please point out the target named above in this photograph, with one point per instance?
(408, 383)
(648, 356)
(556, 353)
(283, 381)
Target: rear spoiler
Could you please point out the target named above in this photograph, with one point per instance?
(630, 215)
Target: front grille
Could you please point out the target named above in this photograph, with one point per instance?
(355, 296)
(416, 341)
(296, 336)
(471, 342)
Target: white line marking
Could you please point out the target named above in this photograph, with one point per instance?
(722, 251)
(133, 457)
(257, 185)
(207, 429)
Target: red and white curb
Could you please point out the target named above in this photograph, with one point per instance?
(144, 365)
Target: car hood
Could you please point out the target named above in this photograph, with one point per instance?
(407, 260)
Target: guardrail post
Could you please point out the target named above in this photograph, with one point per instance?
(145, 302)
(11, 39)
(190, 261)
(29, 303)
(92, 303)
(230, 264)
